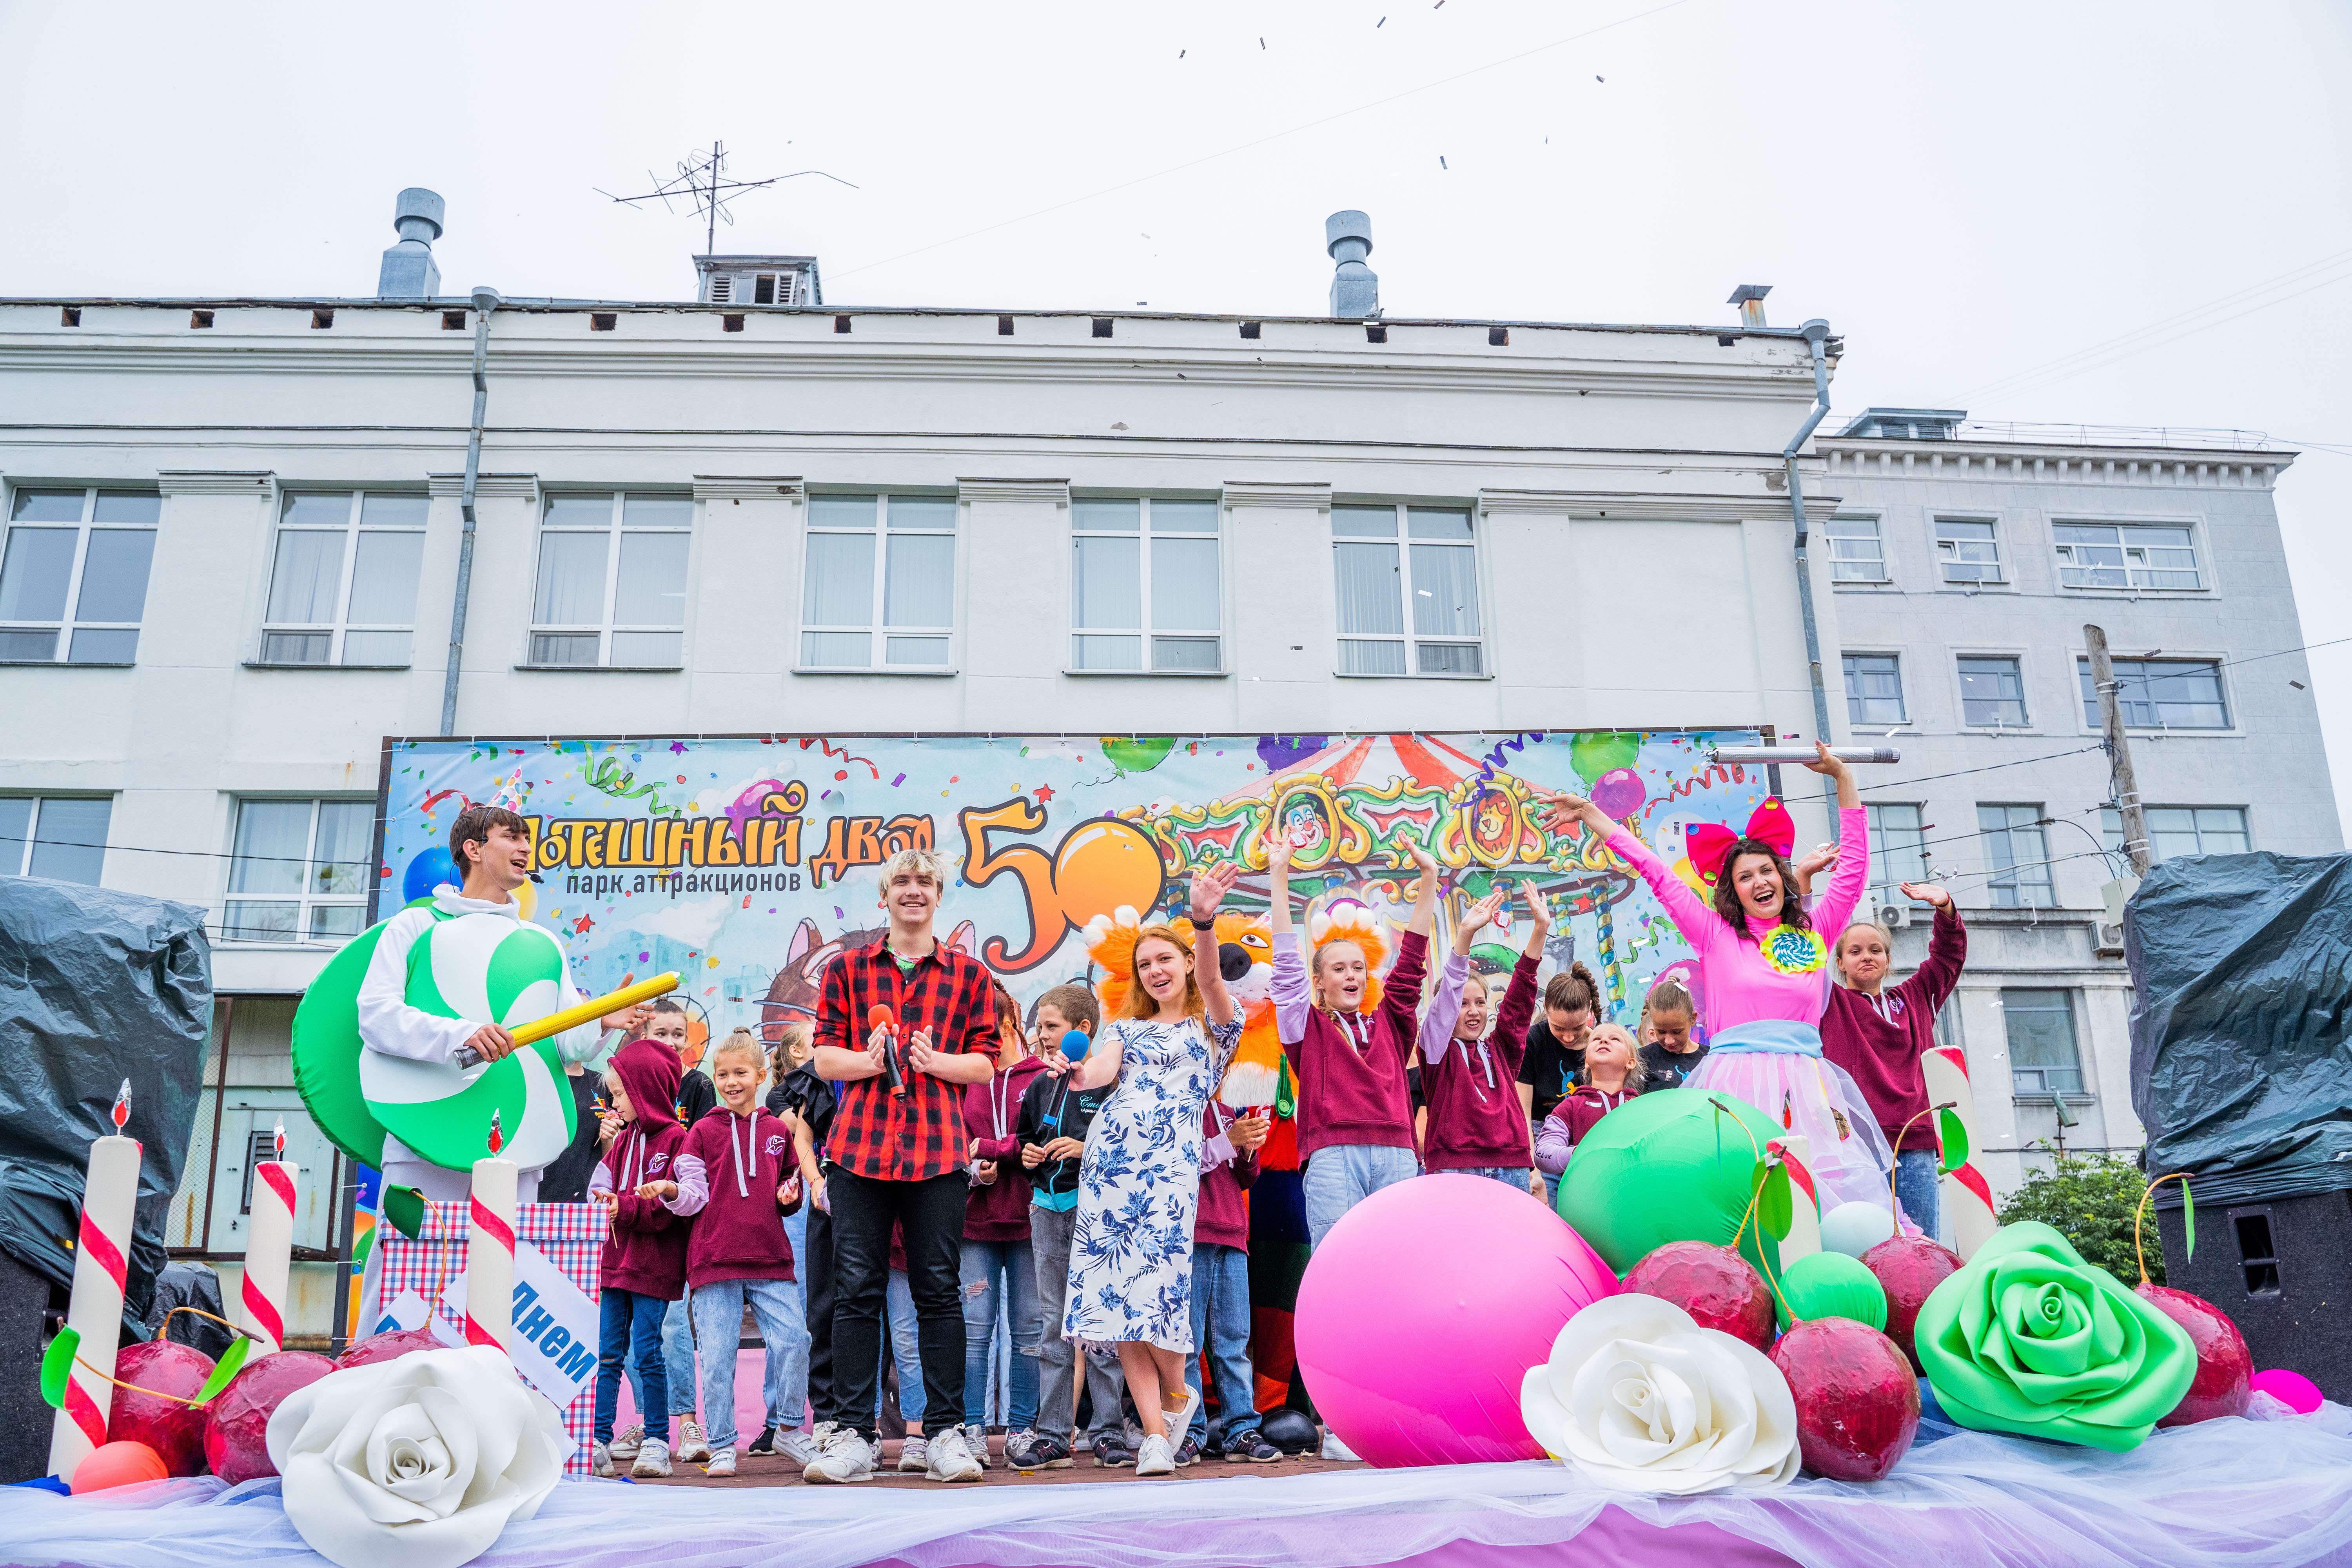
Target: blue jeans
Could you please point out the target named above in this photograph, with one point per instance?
(784, 1329)
(1917, 1185)
(1512, 1177)
(1003, 1271)
(1220, 1325)
(677, 1361)
(631, 1326)
(1342, 1175)
(906, 1347)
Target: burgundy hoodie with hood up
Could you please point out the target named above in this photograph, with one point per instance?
(645, 1251)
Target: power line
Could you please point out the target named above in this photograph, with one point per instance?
(2258, 657)
(1988, 767)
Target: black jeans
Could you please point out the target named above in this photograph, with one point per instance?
(816, 1268)
(930, 1215)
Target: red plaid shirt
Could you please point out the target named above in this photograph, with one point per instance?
(874, 1133)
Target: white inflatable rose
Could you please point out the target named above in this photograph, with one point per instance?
(1639, 1397)
(418, 1462)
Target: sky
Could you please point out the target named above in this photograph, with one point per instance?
(2118, 214)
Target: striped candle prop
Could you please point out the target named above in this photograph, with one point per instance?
(491, 1248)
(1795, 1151)
(101, 1252)
(1970, 1214)
(268, 1247)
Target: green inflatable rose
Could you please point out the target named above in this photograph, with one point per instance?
(2028, 1337)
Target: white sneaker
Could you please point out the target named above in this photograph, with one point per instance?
(1155, 1457)
(976, 1440)
(604, 1462)
(843, 1456)
(914, 1454)
(692, 1446)
(951, 1457)
(626, 1446)
(722, 1463)
(1179, 1422)
(795, 1447)
(1335, 1450)
(653, 1458)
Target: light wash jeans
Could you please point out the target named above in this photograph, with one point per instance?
(994, 1273)
(1512, 1177)
(1221, 1326)
(906, 1348)
(677, 1361)
(1342, 1175)
(784, 1329)
(1917, 1185)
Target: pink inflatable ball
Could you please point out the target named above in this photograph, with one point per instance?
(147, 1375)
(390, 1346)
(1422, 1312)
(2292, 1389)
(236, 1429)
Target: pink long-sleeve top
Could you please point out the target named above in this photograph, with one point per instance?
(1350, 1067)
(1768, 990)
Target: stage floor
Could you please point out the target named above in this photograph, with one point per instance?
(778, 1472)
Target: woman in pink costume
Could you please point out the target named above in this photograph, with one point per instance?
(1765, 969)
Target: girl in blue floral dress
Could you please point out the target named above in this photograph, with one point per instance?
(1139, 1182)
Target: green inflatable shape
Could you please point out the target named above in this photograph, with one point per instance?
(326, 1051)
(1673, 1164)
(2028, 1337)
(1832, 1285)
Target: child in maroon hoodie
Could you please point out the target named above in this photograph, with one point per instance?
(643, 1266)
(1221, 1287)
(998, 1267)
(1612, 1075)
(1476, 1124)
(738, 1248)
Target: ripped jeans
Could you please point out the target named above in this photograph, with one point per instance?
(994, 1273)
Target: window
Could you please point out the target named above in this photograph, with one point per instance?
(1144, 573)
(2183, 830)
(1873, 690)
(2125, 555)
(911, 599)
(1898, 850)
(1992, 692)
(611, 581)
(1856, 552)
(2161, 694)
(1437, 573)
(2042, 1060)
(62, 837)
(2017, 853)
(300, 873)
(1968, 549)
(73, 576)
(343, 588)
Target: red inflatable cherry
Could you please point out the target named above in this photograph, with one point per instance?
(1908, 1266)
(1857, 1399)
(388, 1346)
(237, 1430)
(1718, 1288)
(2225, 1367)
(175, 1430)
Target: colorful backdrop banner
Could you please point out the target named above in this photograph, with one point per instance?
(744, 863)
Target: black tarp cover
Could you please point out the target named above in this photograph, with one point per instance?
(2242, 1023)
(95, 987)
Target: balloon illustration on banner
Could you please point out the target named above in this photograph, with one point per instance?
(1619, 792)
(426, 872)
(1601, 752)
(1137, 754)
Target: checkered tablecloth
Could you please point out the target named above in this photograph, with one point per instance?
(570, 1235)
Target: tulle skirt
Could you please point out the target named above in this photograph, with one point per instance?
(1817, 1099)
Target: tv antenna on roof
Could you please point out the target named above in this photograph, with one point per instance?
(702, 179)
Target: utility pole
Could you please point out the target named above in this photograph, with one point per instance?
(2119, 760)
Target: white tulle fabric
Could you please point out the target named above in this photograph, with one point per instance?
(1638, 1397)
(419, 1462)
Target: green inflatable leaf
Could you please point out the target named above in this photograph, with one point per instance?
(1953, 1134)
(403, 1209)
(1777, 1207)
(1832, 1285)
(2188, 1221)
(231, 1362)
(57, 1367)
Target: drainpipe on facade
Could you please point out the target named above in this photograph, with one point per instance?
(1815, 333)
(485, 301)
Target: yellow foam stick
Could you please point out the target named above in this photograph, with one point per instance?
(573, 1018)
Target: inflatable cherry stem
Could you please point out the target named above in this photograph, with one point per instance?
(1895, 1204)
(2188, 1218)
(1755, 1196)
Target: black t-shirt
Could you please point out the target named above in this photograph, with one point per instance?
(1548, 1068)
(696, 1095)
(1668, 1069)
(565, 1179)
(800, 1090)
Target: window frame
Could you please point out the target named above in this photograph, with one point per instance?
(32, 842)
(352, 530)
(2039, 866)
(2045, 1094)
(1960, 691)
(1407, 637)
(1946, 565)
(1881, 858)
(1838, 560)
(615, 531)
(1853, 699)
(1147, 634)
(303, 899)
(2123, 528)
(2091, 720)
(67, 623)
(2111, 829)
(878, 626)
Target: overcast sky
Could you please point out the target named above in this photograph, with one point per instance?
(2127, 214)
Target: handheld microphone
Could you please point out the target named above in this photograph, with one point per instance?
(880, 1018)
(1073, 1048)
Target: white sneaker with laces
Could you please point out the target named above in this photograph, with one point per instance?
(914, 1454)
(797, 1448)
(692, 1446)
(975, 1438)
(1155, 1457)
(949, 1458)
(653, 1458)
(843, 1456)
(604, 1462)
(626, 1446)
(1333, 1448)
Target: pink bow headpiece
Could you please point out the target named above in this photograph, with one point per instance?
(1709, 844)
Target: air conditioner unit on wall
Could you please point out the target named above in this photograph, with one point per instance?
(1894, 917)
(2107, 938)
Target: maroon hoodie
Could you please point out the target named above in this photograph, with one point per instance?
(1475, 1124)
(1223, 1217)
(1350, 1067)
(645, 1251)
(740, 1232)
(1880, 1039)
(998, 1211)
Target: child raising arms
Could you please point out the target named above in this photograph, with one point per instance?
(1477, 1124)
(1612, 1075)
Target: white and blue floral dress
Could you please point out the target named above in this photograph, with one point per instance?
(1140, 1183)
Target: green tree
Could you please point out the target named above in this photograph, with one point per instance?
(2089, 1199)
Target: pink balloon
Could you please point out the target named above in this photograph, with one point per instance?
(1619, 792)
(1422, 1312)
(2292, 1389)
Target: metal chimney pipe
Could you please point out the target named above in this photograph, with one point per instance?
(409, 271)
(1749, 298)
(1355, 287)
